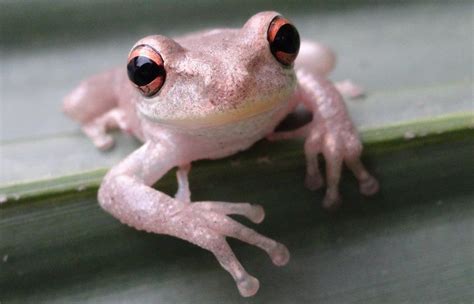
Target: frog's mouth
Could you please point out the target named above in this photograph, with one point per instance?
(221, 116)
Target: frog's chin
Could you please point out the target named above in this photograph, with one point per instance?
(219, 118)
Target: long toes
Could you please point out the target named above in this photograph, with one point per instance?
(369, 186)
(248, 285)
(332, 201)
(313, 182)
(255, 213)
(279, 255)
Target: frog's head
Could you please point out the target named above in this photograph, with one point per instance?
(216, 77)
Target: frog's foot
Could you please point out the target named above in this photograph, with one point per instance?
(313, 180)
(97, 129)
(337, 147)
(207, 225)
(348, 89)
(99, 137)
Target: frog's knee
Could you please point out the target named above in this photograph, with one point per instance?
(316, 58)
(91, 98)
(74, 105)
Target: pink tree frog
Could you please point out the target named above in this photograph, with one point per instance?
(209, 95)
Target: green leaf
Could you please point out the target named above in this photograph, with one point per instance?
(410, 243)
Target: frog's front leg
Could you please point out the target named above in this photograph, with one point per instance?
(330, 133)
(253, 212)
(94, 104)
(97, 129)
(127, 194)
(183, 194)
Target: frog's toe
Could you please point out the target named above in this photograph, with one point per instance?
(210, 227)
(255, 213)
(104, 142)
(369, 186)
(313, 181)
(228, 227)
(99, 137)
(248, 285)
(332, 201)
(280, 255)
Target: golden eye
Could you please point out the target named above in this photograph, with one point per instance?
(284, 40)
(146, 70)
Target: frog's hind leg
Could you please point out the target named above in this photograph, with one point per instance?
(92, 98)
(316, 58)
(94, 105)
(321, 60)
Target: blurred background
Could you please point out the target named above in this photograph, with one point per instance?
(411, 244)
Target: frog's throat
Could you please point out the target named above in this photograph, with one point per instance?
(229, 116)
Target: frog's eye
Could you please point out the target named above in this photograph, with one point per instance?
(146, 70)
(284, 40)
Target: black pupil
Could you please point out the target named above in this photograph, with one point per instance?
(142, 70)
(287, 40)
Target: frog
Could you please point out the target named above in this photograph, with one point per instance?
(209, 95)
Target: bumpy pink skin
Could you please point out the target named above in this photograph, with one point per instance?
(224, 91)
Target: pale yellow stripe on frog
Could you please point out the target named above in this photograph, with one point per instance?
(248, 110)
